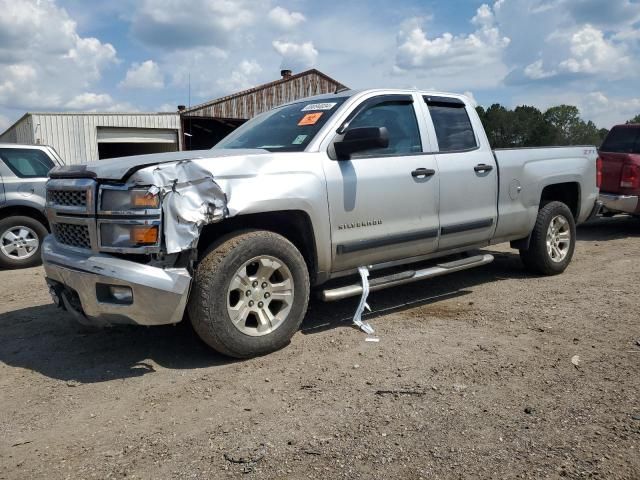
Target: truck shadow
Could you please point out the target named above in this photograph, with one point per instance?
(324, 316)
(602, 229)
(45, 339)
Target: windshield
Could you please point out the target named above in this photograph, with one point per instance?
(622, 140)
(284, 129)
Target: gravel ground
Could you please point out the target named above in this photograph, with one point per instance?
(473, 377)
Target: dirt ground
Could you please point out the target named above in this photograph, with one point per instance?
(472, 378)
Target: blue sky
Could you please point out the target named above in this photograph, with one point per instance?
(138, 55)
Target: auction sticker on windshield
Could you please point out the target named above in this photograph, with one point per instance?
(309, 119)
(299, 139)
(319, 106)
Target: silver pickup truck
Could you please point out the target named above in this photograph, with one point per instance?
(304, 196)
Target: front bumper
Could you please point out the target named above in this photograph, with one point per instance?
(159, 296)
(619, 203)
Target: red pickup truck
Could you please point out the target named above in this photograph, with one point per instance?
(620, 167)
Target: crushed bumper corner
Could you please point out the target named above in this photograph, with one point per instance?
(158, 296)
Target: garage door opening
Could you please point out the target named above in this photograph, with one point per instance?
(201, 133)
(123, 142)
(113, 150)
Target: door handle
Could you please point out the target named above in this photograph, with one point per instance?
(423, 172)
(483, 167)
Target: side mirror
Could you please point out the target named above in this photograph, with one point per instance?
(361, 139)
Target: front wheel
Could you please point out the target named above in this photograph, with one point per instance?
(553, 240)
(20, 241)
(250, 294)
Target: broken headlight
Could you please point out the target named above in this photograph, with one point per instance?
(123, 201)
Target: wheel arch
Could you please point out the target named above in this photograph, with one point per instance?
(294, 225)
(24, 211)
(568, 193)
(565, 192)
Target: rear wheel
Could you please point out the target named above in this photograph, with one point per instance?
(250, 294)
(20, 241)
(553, 240)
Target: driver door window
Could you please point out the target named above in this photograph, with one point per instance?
(399, 118)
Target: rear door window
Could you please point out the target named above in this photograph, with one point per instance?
(26, 162)
(622, 140)
(452, 124)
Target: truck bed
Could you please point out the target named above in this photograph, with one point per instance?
(525, 172)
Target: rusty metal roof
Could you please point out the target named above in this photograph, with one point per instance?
(251, 102)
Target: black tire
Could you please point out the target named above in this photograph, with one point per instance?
(537, 258)
(209, 296)
(7, 261)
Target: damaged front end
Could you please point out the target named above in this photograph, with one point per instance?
(122, 252)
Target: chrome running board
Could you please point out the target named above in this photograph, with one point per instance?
(409, 276)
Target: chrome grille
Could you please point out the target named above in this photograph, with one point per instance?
(67, 198)
(73, 235)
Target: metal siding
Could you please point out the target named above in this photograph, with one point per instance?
(74, 136)
(21, 132)
(260, 100)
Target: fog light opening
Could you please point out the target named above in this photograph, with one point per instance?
(122, 294)
(118, 294)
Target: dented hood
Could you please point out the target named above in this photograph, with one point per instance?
(122, 168)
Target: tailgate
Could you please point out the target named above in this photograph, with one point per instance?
(612, 170)
(621, 148)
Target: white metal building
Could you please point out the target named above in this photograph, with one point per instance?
(87, 137)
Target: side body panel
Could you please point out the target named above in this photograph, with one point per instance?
(468, 207)
(525, 172)
(378, 210)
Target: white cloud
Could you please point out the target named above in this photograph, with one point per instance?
(242, 78)
(451, 55)
(296, 56)
(284, 19)
(591, 53)
(92, 56)
(144, 75)
(167, 107)
(89, 101)
(608, 111)
(536, 71)
(611, 14)
(197, 66)
(44, 61)
(180, 24)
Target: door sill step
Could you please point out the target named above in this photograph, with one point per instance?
(408, 276)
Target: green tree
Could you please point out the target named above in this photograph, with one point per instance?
(530, 127)
(498, 125)
(635, 119)
(565, 121)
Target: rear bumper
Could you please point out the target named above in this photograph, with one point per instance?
(619, 203)
(79, 280)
